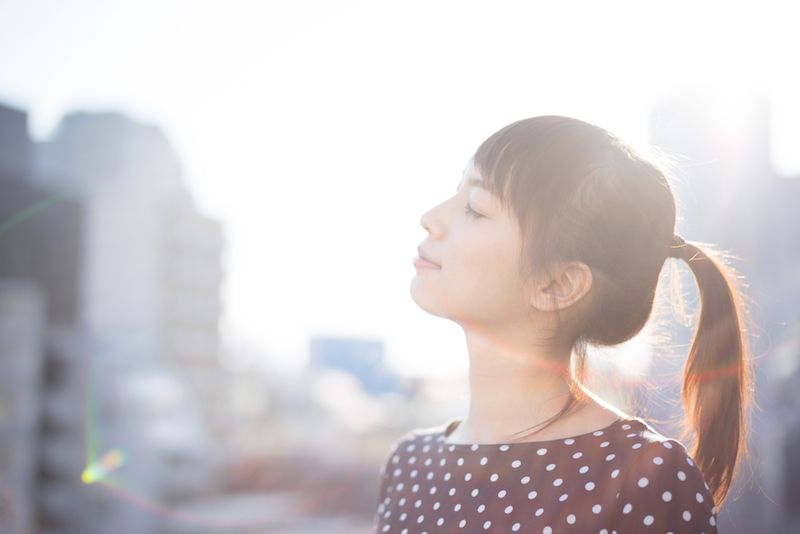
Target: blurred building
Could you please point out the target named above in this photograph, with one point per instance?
(364, 359)
(99, 233)
(21, 331)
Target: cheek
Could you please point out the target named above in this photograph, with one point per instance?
(486, 266)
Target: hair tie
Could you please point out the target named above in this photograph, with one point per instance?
(676, 249)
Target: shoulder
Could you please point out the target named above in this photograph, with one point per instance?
(413, 439)
(664, 487)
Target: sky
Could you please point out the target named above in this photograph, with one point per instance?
(320, 132)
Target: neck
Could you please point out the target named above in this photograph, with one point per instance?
(511, 389)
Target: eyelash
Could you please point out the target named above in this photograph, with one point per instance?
(472, 213)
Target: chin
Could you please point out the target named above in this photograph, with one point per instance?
(424, 297)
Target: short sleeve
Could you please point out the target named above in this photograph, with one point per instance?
(663, 491)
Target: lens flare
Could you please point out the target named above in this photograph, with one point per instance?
(98, 470)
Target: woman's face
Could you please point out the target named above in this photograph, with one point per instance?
(477, 281)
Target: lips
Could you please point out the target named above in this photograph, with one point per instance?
(426, 258)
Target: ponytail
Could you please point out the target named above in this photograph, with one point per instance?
(717, 379)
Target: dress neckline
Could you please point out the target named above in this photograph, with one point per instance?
(567, 440)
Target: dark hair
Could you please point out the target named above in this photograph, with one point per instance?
(579, 193)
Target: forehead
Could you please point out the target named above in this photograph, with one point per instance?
(471, 177)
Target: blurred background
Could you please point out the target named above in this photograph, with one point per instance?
(208, 212)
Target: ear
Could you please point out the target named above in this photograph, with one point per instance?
(569, 284)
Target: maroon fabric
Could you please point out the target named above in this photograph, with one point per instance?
(624, 478)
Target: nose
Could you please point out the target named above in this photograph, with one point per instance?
(427, 221)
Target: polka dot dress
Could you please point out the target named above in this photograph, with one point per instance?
(620, 479)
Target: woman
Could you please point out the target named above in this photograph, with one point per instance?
(553, 241)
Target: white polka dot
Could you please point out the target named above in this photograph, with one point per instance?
(440, 521)
(557, 482)
(626, 426)
(457, 507)
(666, 496)
(583, 469)
(475, 446)
(712, 521)
(614, 473)
(541, 452)
(532, 495)
(412, 459)
(604, 444)
(643, 482)
(550, 467)
(681, 475)
(494, 477)
(563, 497)
(417, 503)
(487, 524)
(481, 508)
(433, 490)
(658, 460)
(509, 509)
(686, 515)
(504, 447)
(589, 486)
(577, 455)
(571, 519)
(539, 512)
(648, 520)
(462, 523)
(569, 441)
(667, 444)
(436, 505)
(689, 461)
(420, 519)
(386, 527)
(636, 445)
(598, 433)
(627, 508)
(610, 457)
(475, 492)
(484, 460)
(468, 476)
(452, 491)
(596, 508)
(547, 530)
(516, 463)
(515, 527)
(447, 476)
(525, 480)
(603, 531)
(698, 497)
(501, 493)
(460, 461)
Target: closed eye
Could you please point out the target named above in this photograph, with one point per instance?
(472, 213)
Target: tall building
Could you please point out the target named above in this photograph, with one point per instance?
(98, 220)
